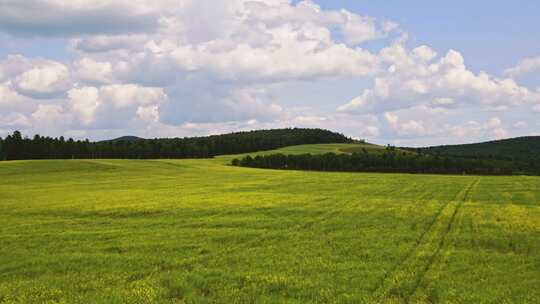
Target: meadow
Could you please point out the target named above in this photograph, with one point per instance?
(202, 231)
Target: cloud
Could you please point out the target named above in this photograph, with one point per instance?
(354, 28)
(408, 128)
(79, 17)
(48, 113)
(212, 59)
(521, 125)
(491, 129)
(11, 102)
(114, 105)
(360, 127)
(35, 77)
(392, 119)
(91, 71)
(442, 102)
(84, 103)
(310, 119)
(251, 103)
(422, 124)
(424, 53)
(237, 40)
(197, 21)
(525, 66)
(104, 43)
(413, 79)
(43, 80)
(13, 108)
(149, 113)
(8, 97)
(50, 119)
(14, 121)
(176, 68)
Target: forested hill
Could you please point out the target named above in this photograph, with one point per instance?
(520, 148)
(15, 146)
(126, 138)
(517, 156)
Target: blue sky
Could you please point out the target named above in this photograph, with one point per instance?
(493, 35)
(401, 72)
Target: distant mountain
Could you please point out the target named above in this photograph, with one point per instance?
(126, 138)
(520, 148)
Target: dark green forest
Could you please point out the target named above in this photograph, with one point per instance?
(504, 157)
(17, 147)
(391, 160)
(526, 149)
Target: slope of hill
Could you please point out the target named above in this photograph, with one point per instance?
(316, 149)
(520, 148)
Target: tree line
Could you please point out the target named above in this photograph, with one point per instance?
(525, 149)
(390, 161)
(17, 147)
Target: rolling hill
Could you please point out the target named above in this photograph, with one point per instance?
(518, 156)
(126, 138)
(17, 147)
(512, 156)
(520, 148)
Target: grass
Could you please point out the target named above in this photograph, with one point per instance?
(313, 149)
(200, 231)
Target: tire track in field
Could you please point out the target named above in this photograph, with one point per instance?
(402, 261)
(406, 276)
(442, 241)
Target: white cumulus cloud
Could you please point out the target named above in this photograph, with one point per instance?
(48, 78)
(525, 66)
(186, 67)
(413, 79)
(108, 105)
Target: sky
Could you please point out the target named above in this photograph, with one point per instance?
(412, 73)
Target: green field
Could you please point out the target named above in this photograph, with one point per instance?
(201, 231)
(315, 149)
